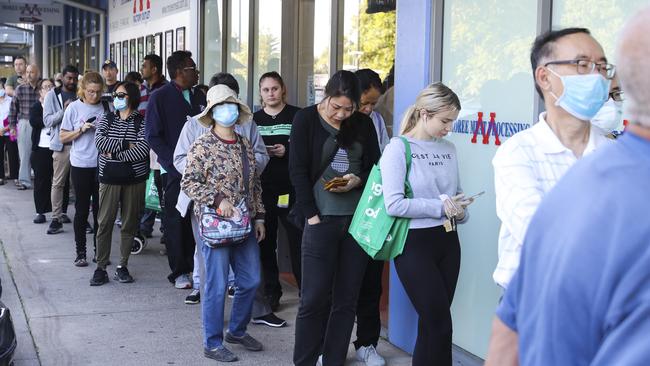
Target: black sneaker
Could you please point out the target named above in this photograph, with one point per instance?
(65, 219)
(81, 261)
(246, 340)
(55, 227)
(221, 354)
(122, 275)
(100, 277)
(89, 229)
(271, 320)
(193, 298)
(39, 219)
(231, 291)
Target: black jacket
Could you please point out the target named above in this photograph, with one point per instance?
(305, 154)
(36, 121)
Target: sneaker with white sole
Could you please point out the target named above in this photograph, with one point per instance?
(183, 282)
(193, 298)
(270, 320)
(369, 356)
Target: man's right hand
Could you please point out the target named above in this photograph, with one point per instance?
(313, 220)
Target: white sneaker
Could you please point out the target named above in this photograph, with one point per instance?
(183, 282)
(370, 356)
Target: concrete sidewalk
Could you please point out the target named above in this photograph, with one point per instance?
(61, 320)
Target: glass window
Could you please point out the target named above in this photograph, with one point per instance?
(322, 46)
(212, 39)
(267, 43)
(368, 39)
(486, 48)
(238, 45)
(604, 18)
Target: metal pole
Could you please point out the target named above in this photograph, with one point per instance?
(45, 57)
(102, 39)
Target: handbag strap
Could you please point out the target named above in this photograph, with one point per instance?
(407, 152)
(246, 164)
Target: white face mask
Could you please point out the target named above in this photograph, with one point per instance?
(610, 116)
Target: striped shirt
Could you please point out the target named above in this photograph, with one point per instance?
(145, 92)
(526, 167)
(115, 140)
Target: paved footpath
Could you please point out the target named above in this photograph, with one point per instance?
(61, 320)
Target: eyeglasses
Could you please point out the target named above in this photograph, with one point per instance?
(120, 95)
(192, 68)
(617, 95)
(93, 92)
(587, 67)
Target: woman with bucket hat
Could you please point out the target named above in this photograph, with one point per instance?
(222, 180)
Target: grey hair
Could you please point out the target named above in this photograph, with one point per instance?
(633, 58)
(435, 98)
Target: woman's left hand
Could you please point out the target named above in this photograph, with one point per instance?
(353, 182)
(260, 231)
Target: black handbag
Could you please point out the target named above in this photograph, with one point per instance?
(7, 336)
(114, 171)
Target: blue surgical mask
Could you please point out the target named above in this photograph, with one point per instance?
(119, 104)
(2, 93)
(583, 95)
(226, 114)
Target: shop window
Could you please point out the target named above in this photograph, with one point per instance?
(267, 43)
(485, 60)
(212, 39)
(322, 49)
(237, 45)
(368, 37)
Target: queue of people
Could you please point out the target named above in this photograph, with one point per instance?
(228, 177)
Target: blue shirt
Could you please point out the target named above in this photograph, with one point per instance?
(581, 295)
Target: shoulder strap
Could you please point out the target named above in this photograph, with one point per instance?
(408, 157)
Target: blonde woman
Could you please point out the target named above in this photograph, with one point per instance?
(78, 127)
(428, 267)
(221, 173)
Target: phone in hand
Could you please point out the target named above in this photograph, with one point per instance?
(476, 195)
(91, 119)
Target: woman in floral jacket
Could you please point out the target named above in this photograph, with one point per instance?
(221, 173)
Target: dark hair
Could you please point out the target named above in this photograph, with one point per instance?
(3, 81)
(204, 88)
(368, 79)
(543, 48)
(20, 58)
(133, 77)
(175, 62)
(69, 69)
(275, 76)
(133, 91)
(344, 84)
(226, 79)
(156, 61)
(39, 84)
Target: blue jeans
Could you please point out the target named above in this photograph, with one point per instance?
(245, 261)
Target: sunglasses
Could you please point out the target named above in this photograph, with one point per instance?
(120, 95)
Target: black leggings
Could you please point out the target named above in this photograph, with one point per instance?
(11, 147)
(42, 164)
(86, 187)
(428, 269)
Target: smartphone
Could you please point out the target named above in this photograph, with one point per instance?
(476, 195)
(270, 146)
(91, 119)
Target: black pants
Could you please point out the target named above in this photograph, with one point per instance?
(86, 188)
(428, 269)
(269, 246)
(42, 165)
(11, 149)
(368, 318)
(333, 265)
(178, 231)
(149, 216)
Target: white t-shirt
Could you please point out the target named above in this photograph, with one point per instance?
(83, 153)
(5, 105)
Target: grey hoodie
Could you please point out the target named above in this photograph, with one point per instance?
(52, 117)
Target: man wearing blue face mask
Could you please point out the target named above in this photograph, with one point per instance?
(573, 77)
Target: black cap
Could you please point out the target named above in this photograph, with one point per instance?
(109, 63)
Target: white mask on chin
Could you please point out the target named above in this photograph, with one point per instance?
(610, 116)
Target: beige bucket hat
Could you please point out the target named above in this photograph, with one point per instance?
(222, 94)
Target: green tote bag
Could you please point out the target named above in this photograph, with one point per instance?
(380, 235)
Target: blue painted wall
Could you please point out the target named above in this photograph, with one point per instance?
(412, 74)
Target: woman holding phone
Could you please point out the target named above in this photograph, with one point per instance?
(332, 149)
(429, 265)
(78, 126)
